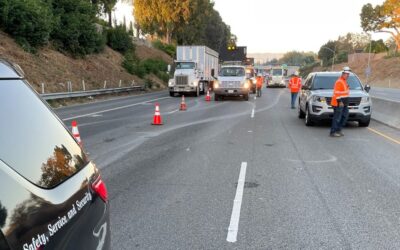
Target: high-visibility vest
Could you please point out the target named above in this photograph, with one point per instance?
(295, 84)
(341, 90)
(259, 81)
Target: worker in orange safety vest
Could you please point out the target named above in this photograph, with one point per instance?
(340, 103)
(259, 84)
(295, 86)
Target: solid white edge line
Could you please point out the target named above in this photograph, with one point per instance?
(113, 109)
(237, 204)
(252, 113)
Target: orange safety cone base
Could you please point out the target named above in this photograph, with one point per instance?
(183, 107)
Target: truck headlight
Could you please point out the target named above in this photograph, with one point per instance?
(365, 99)
(246, 84)
(171, 83)
(216, 84)
(319, 99)
(195, 83)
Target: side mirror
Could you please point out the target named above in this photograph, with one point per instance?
(367, 88)
(304, 87)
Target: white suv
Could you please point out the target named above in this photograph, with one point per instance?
(316, 94)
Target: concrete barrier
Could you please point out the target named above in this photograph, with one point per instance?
(386, 111)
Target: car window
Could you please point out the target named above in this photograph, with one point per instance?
(277, 72)
(234, 71)
(308, 81)
(328, 82)
(33, 141)
(185, 65)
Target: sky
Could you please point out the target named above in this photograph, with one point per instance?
(285, 25)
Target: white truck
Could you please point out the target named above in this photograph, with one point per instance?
(195, 67)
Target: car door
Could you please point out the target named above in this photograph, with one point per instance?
(305, 91)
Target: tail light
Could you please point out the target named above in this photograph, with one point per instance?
(100, 188)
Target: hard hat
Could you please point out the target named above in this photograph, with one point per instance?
(296, 73)
(346, 70)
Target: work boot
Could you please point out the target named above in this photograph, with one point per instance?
(336, 134)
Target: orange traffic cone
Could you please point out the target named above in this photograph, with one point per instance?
(208, 97)
(183, 104)
(157, 116)
(75, 133)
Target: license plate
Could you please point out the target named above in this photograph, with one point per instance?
(230, 91)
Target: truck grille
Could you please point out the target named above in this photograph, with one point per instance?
(230, 84)
(353, 101)
(181, 80)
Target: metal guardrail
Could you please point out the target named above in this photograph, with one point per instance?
(75, 94)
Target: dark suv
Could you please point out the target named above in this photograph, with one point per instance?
(51, 195)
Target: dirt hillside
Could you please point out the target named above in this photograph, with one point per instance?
(384, 72)
(55, 69)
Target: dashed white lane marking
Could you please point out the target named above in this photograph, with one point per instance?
(237, 204)
(96, 115)
(113, 109)
(252, 113)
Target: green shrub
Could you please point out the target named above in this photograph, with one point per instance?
(163, 76)
(30, 22)
(167, 48)
(75, 31)
(119, 39)
(132, 64)
(154, 65)
(148, 83)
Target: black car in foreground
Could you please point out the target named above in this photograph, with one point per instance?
(51, 195)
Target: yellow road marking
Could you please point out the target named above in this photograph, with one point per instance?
(383, 135)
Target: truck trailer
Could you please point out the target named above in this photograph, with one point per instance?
(195, 67)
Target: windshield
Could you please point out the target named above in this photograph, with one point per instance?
(233, 71)
(185, 65)
(43, 151)
(328, 82)
(277, 72)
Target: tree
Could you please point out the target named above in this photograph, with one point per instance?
(376, 47)
(108, 7)
(382, 18)
(327, 52)
(75, 31)
(297, 58)
(30, 22)
(162, 17)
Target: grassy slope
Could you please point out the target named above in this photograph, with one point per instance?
(55, 69)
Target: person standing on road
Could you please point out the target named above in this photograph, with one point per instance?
(340, 103)
(295, 86)
(259, 84)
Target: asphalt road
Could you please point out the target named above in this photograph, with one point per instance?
(386, 93)
(179, 185)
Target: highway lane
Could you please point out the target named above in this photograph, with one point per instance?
(386, 93)
(173, 186)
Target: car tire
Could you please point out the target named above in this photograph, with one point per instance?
(307, 119)
(302, 115)
(171, 93)
(246, 97)
(364, 123)
(197, 93)
(216, 97)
